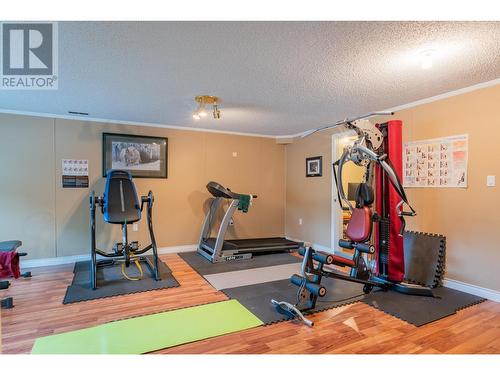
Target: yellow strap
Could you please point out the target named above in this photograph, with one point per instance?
(138, 264)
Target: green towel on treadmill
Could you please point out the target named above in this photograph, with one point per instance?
(244, 203)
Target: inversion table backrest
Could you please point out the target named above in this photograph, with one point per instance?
(121, 203)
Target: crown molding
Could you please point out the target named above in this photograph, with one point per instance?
(445, 95)
(129, 123)
(419, 102)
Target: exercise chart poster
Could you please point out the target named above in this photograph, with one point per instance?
(439, 162)
(75, 173)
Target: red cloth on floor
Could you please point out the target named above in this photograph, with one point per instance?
(9, 264)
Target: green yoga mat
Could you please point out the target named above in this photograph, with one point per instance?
(152, 332)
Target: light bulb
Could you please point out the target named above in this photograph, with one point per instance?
(196, 116)
(216, 112)
(202, 113)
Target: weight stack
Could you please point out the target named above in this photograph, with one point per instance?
(384, 242)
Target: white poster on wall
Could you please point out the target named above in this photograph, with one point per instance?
(439, 162)
(75, 173)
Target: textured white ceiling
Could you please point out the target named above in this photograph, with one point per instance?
(274, 78)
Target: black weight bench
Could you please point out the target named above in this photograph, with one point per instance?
(6, 247)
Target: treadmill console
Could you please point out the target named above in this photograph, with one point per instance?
(217, 190)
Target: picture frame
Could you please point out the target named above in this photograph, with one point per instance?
(314, 166)
(143, 156)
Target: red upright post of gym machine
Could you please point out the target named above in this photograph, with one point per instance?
(388, 241)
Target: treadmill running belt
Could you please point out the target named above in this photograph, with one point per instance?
(254, 244)
(263, 243)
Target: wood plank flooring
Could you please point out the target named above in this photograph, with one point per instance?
(356, 328)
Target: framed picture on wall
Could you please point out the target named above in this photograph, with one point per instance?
(142, 156)
(314, 166)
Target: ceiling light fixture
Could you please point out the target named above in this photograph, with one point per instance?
(426, 59)
(204, 100)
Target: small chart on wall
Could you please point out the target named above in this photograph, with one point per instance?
(75, 173)
(438, 162)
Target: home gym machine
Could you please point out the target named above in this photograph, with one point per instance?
(374, 238)
(120, 205)
(220, 250)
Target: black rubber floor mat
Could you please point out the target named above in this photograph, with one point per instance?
(205, 267)
(257, 297)
(111, 282)
(424, 258)
(419, 310)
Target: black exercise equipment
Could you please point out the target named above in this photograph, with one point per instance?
(220, 250)
(120, 205)
(11, 246)
(8, 302)
(375, 239)
(291, 311)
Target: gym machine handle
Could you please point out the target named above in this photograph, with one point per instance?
(402, 214)
(253, 195)
(149, 199)
(291, 310)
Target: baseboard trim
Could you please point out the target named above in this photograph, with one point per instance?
(493, 295)
(57, 261)
(177, 249)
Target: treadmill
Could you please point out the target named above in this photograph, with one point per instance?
(219, 250)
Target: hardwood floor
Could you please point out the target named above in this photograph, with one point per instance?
(356, 328)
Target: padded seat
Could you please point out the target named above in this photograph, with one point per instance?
(121, 203)
(6, 246)
(360, 225)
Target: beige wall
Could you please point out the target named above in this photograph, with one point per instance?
(52, 221)
(468, 217)
(308, 198)
(27, 191)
